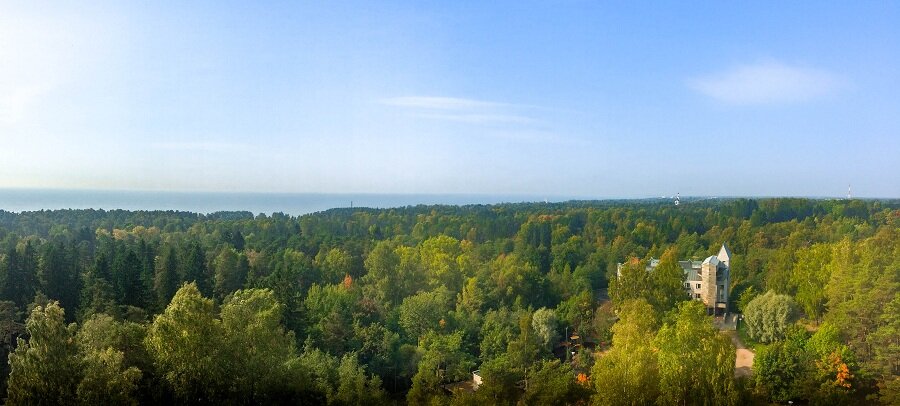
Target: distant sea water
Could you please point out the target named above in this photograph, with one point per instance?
(18, 200)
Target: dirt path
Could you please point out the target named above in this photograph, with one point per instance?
(743, 362)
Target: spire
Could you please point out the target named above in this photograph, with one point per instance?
(724, 255)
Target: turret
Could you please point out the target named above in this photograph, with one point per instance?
(708, 276)
(724, 255)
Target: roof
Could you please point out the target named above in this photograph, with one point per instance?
(692, 275)
(465, 386)
(690, 269)
(724, 254)
(711, 260)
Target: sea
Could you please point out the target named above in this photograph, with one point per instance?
(19, 200)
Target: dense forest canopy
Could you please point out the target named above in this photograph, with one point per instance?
(397, 305)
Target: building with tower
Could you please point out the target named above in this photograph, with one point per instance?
(707, 281)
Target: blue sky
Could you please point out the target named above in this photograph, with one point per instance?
(564, 98)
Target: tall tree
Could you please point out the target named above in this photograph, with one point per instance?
(424, 312)
(58, 276)
(810, 275)
(186, 342)
(126, 272)
(631, 281)
(545, 325)
(44, 369)
(231, 270)
(97, 294)
(443, 361)
(194, 268)
(781, 369)
(106, 380)
(696, 363)
(667, 281)
(629, 373)
(258, 347)
(20, 280)
(166, 280)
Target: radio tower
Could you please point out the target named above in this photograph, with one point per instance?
(848, 192)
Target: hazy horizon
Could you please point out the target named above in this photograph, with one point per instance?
(507, 98)
(22, 200)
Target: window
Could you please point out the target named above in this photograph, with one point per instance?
(687, 285)
(696, 295)
(698, 286)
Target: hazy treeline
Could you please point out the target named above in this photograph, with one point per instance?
(379, 306)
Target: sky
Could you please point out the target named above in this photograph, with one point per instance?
(563, 98)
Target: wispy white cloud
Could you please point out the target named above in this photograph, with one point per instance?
(474, 118)
(462, 110)
(767, 83)
(440, 103)
(200, 146)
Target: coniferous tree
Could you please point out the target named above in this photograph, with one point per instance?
(97, 293)
(166, 280)
(20, 282)
(195, 270)
(58, 277)
(126, 271)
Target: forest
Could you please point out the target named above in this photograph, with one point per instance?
(401, 306)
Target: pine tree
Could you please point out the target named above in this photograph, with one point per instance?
(166, 280)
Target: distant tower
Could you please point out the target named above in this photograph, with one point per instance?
(848, 192)
(677, 198)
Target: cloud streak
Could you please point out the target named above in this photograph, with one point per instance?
(439, 103)
(200, 146)
(766, 83)
(461, 110)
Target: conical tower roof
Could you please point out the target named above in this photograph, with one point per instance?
(724, 255)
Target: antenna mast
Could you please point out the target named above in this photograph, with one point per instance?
(848, 192)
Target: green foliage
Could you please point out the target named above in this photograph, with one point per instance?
(166, 280)
(19, 274)
(335, 264)
(321, 378)
(443, 360)
(329, 314)
(257, 345)
(106, 379)
(544, 324)
(746, 297)
(385, 295)
(696, 362)
(768, 316)
(553, 383)
(44, 369)
(231, 269)
(667, 281)
(631, 282)
(186, 342)
(424, 312)
(629, 373)
(780, 369)
(809, 277)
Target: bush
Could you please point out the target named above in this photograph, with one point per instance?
(768, 316)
